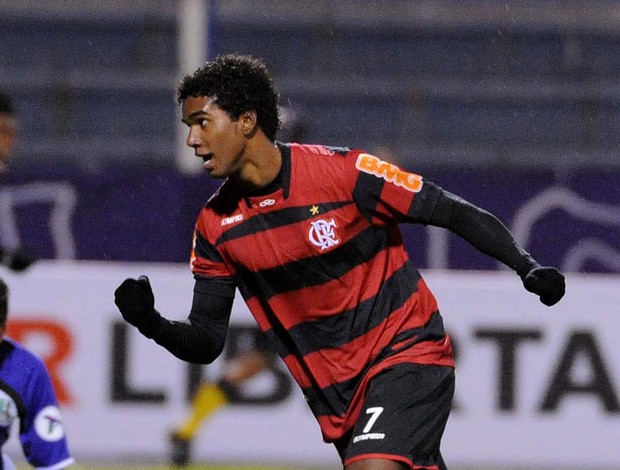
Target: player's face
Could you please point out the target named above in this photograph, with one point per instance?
(215, 138)
(7, 140)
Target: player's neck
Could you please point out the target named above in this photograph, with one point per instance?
(263, 166)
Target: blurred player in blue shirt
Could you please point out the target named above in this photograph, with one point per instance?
(27, 396)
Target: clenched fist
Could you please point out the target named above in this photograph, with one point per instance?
(136, 302)
(546, 282)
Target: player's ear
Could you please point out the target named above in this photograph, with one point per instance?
(248, 123)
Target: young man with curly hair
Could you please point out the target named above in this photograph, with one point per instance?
(310, 236)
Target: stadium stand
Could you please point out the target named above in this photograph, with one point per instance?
(496, 83)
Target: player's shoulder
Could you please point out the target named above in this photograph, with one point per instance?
(224, 200)
(220, 211)
(323, 161)
(316, 150)
(13, 352)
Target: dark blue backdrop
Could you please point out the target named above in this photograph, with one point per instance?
(148, 214)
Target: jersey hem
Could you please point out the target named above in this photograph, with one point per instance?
(397, 458)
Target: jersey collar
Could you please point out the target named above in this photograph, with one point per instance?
(285, 151)
(281, 183)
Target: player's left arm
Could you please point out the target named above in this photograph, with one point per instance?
(386, 195)
(42, 432)
(490, 236)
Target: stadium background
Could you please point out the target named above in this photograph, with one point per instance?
(512, 104)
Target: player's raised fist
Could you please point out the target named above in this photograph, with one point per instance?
(136, 302)
(546, 282)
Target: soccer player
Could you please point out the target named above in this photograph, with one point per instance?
(19, 258)
(211, 396)
(27, 395)
(310, 236)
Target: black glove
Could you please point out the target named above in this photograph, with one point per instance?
(18, 259)
(136, 302)
(546, 282)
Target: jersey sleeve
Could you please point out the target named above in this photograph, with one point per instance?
(388, 195)
(205, 260)
(42, 434)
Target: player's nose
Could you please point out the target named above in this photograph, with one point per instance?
(193, 139)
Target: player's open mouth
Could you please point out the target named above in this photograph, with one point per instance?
(205, 161)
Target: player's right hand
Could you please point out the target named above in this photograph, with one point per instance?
(19, 259)
(136, 302)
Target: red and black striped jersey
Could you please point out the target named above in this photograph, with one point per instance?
(321, 265)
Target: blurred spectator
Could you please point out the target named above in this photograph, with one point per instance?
(211, 396)
(8, 131)
(15, 258)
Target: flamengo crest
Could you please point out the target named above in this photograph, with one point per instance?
(322, 233)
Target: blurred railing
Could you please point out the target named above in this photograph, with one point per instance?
(529, 83)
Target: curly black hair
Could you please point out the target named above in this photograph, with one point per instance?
(240, 83)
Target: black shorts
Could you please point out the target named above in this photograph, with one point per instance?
(403, 417)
